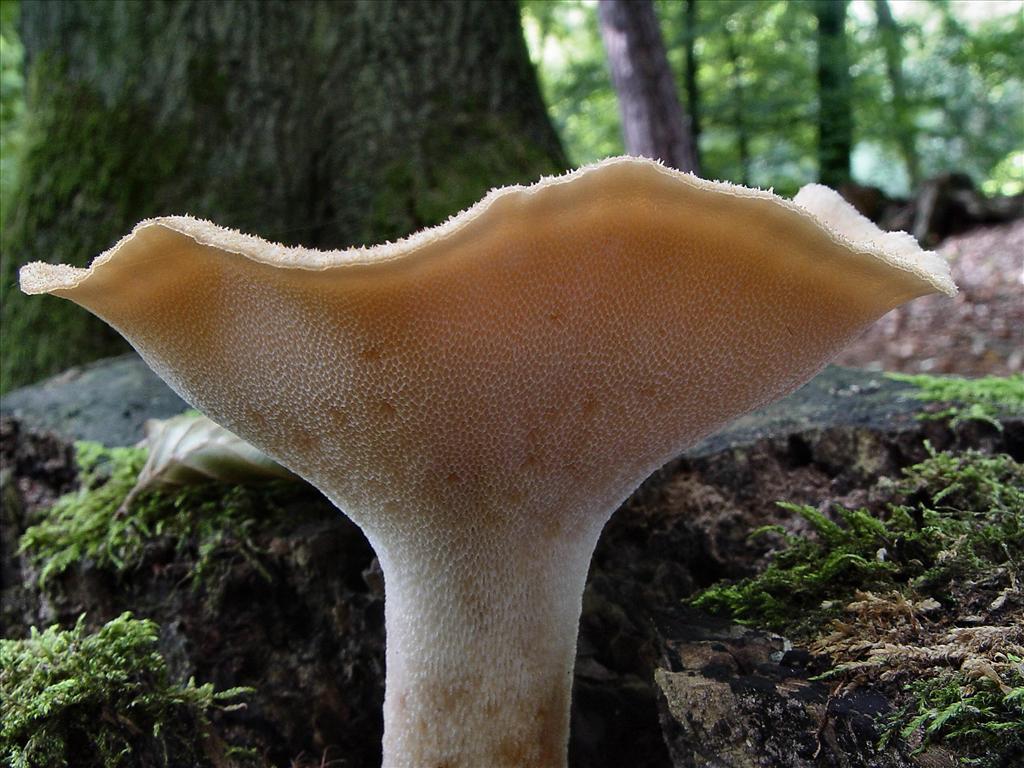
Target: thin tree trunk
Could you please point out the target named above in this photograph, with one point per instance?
(653, 121)
(739, 107)
(891, 36)
(322, 123)
(692, 89)
(835, 119)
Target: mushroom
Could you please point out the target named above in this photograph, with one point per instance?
(480, 397)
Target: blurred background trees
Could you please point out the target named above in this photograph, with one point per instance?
(933, 86)
(653, 122)
(332, 123)
(835, 118)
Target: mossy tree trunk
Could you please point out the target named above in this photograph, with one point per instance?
(317, 122)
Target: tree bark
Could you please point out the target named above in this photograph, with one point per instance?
(693, 105)
(317, 122)
(903, 127)
(835, 119)
(653, 121)
(739, 105)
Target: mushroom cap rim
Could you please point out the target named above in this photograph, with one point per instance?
(41, 277)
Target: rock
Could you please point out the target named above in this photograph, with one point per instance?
(836, 397)
(107, 401)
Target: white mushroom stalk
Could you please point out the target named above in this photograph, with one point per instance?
(481, 396)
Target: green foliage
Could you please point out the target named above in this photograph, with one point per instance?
(1007, 176)
(68, 698)
(757, 78)
(209, 520)
(952, 515)
(960, 66)
(971, 107)
(983, 715)
(983, 399)
(565, 45)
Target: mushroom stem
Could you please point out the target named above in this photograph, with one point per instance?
(480, 651)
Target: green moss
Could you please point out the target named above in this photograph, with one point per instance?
(209, 523)
(86, 524)
(982, 715)
(927, 573)
(983, 399)
(104, 699)
(951, 515)
(794, 593)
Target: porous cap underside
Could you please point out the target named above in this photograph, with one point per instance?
(544, 350)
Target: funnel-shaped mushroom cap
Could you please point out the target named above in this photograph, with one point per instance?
(558, 341)
(481, 396)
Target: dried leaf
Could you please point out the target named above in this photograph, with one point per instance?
(190, 449)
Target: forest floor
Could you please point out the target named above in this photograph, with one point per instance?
(980, 332)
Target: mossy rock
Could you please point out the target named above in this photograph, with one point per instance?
(74, 699)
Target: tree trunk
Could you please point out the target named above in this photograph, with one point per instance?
(739, 105)
(653, 121)
(321, 123)
(692, 89)
(903, 126)
(835, 120)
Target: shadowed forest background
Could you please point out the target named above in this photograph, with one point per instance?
(834, 580)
